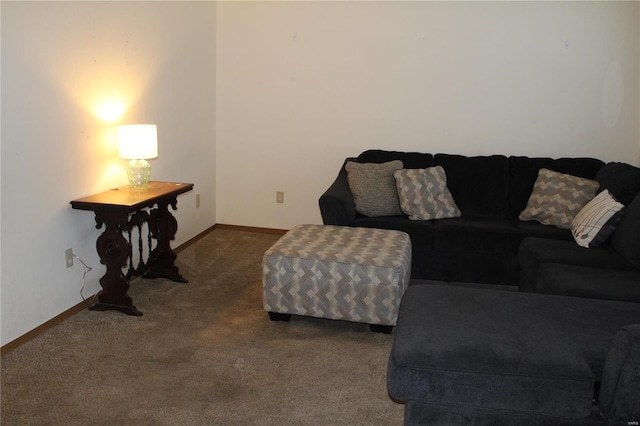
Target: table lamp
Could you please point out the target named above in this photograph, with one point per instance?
(138, 142)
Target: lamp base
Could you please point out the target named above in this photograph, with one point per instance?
(139, 173)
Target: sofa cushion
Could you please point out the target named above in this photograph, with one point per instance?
(411, 160)
(626, 240)
(597, 221)
(471, 267)
(534, 252)
(557, 198)
(424, 195)
(622, 180)
(523, 172)
(502, 350)
(464, 284)
(585, 281)
(478, 184)
(536, 229)
(374, 188)
(476, 235)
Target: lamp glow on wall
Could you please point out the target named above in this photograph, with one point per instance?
(138, 143)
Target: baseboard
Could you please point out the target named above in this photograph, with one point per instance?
(44, 327)
(253, 229)
(83, 305)
(207, 231)
(195, 239)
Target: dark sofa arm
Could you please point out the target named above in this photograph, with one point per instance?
(620, 389)
(336, 204)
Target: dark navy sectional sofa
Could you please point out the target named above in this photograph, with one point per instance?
(569, 354)
(482, 246)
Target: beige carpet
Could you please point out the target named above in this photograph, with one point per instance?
(204, 353)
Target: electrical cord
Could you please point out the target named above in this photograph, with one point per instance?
(87, 269)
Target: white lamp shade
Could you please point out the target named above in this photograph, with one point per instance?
(138, 141)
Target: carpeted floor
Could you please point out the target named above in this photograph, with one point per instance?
(204, 353)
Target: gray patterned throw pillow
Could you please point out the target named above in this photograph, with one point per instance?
(424, 194)
(373, 187)
(557, 198)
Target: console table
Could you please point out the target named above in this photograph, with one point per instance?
(121, 210)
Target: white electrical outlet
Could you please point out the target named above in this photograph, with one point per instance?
(280, 197)
(68, 257)
(197, 201)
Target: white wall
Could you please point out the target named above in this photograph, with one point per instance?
(302, 85)
(255, 97)
(62, 62)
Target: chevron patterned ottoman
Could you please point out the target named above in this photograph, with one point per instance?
(336, 272)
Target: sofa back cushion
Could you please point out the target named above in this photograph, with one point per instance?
(411, 160)
(626, 239)
(523, 172)
(622, 180)
(479, 185)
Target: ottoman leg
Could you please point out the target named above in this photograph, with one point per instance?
(377, 328)
(276, 316)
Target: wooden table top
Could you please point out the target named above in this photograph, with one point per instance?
(132, 199)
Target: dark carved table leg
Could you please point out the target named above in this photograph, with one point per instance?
(163, 227)
(114, 251)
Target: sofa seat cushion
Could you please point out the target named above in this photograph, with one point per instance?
(501, 287)
(534, 252)
(584, 281)
(536, 229)
(476, 235)
(484, 268)
(502, 350)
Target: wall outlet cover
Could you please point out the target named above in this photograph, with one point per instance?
(68, 257)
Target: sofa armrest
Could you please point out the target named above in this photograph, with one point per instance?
(620, 386)
(336, 204)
